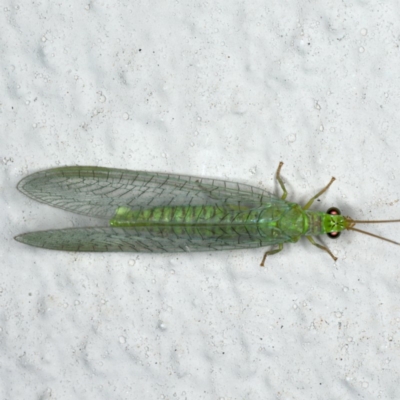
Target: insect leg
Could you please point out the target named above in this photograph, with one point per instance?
(279, 179)
(308, 205)
(270, 252)
(312, 241)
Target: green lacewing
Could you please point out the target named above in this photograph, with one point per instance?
(158, 212)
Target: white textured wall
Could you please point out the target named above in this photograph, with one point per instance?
(224, 89)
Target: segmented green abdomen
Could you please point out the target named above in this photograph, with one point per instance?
(186, 215)
(261, 224)
(230, 223)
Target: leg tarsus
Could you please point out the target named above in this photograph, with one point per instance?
(312, 241)
(279, 179)
(270, 252)
(308, 205)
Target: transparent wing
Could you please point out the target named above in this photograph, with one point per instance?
(150, 239)
(98, 192)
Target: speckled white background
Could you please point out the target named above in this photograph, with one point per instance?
(224, 89)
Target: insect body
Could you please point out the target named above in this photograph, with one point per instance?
(156, 212)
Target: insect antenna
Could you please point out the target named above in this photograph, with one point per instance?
(383, 221)
(353, 222)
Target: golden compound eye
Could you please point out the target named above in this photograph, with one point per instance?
(333, 211)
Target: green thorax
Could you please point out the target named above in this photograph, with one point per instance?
(320, 223)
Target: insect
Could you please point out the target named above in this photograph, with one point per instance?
(158, 212)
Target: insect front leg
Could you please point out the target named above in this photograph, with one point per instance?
(308, 205)
(312, 241)
(270, 252)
